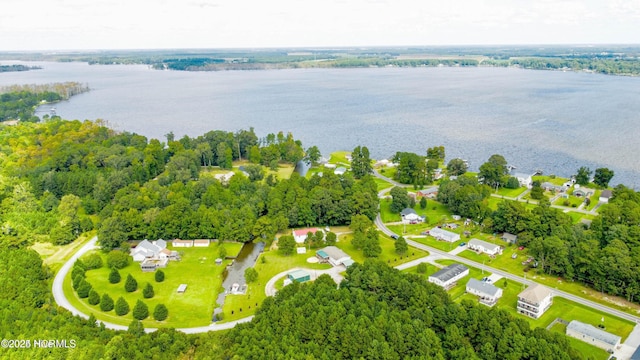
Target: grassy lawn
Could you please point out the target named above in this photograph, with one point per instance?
(197, 269)
(510, 192)
(587, 350)
(340, 157)
(284, 171)
(572, 201)
(388, 254)
(382, 184)
(440, 245)
(552, 179)
(55, 256)
(389, 171)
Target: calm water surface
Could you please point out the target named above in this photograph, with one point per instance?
(554, 121)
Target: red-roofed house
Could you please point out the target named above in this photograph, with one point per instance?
(301, 235)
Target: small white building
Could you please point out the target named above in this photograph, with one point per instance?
(201, 243)
(534, 301)
(485, 247)
(487, 294)
(182, 243)
(340, 171)
(444, 235)
(592, 335)
(448, 276)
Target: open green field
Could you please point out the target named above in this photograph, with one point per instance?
(388, 171)
(388, 255)
(512, 193)
(382, 184)
(55, 256)
(440, 245)
(197, 269)
(587, 350)
(552, 179)
(284, 171)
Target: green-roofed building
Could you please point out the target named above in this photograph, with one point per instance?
(299, 276)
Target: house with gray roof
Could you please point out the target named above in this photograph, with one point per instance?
(605, 195)
(552, 187)
(409, 216)
(509, 238)
(444, 235)
(448, 276)
(488, 294)
(334, 256)
(592, 335)
(484, 247)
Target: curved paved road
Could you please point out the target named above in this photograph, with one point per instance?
(61, 300)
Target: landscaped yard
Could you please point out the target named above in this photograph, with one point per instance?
(197, 269)
(512, 193)
(340, 157)
(388, 255)
(440, 245)
(435, 212)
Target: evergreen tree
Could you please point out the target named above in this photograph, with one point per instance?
(147, 292)
(371, 247)
(160, 312)
(94, 297)
(140, 311)
(131, 284)
(77, 280)
(360, 162)
(159, 276)
(421, 268)
(83, 289)
(106, 303)
(114, 276)
(122, 307)
(423, 203)
(136, 328)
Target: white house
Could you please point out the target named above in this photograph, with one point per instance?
(444, 235)
(524, 179)
(330, 166)
(592, 335)
(409, 216)
(605, 195)
(582, 191)
(148, 250)
(534, 301)
(448, 276)
(301, 235)
(225, 177)
(485, 247)
(487, 294)
(334, 256)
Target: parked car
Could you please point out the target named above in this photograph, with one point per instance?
(394, 236)
(520, 247)
(462, 244)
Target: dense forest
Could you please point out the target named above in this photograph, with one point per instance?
(20, 102)
(62, 178)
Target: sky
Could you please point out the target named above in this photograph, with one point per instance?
(158, 24)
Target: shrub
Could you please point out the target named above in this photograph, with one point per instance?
(159, 276)
(147, 292)
(83, 289)
(160, 312)
(106, 303)
(250, 275)
(140, 311)
(77, 280)
(114, 276)
(94, 297)
(131, 284)
(122, 307)
(92, 261)
(77, 271)
(422, 268)
(118, 259)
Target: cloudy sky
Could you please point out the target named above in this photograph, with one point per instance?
(126, 24)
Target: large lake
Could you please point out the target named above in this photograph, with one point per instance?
(549, 120)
